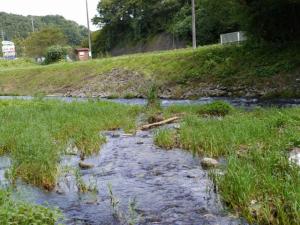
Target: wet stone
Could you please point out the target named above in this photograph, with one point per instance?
(208, 163)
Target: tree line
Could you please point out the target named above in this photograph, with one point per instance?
(130, 21)
(17, 26)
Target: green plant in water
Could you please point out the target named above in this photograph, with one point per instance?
(81, 185)
(114, 202)
(153, 99)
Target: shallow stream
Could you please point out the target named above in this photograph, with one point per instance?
(163, 187)
(238, 102)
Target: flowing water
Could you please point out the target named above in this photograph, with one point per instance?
(238, 102)
(163, 187)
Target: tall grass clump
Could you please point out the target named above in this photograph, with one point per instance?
(36, 133)
(152, 98)
(165, 138)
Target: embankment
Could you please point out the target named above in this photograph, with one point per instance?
(208, 71)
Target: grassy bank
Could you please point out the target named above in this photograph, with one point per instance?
(249, 66)
(259, 182)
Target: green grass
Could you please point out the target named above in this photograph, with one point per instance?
(35, 133)
(225, 65)
(259, 182)
(165, 138)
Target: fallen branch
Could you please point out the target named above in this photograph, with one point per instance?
(149, 126)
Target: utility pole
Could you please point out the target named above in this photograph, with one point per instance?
(2, 35)
(32, 23)
(88, 25)
(194, 25)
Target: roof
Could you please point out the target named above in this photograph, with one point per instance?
(82, 49)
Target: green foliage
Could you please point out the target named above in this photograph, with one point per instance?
(12, 212)
(38, 42)
(55, 54)
(212, 19)
(271, 20)
(217, 108)
(134, 21)
(19, 27)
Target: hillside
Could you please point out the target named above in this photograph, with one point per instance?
(17, 26)
(208, 71)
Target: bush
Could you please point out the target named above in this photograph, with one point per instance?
(217, 108)
(55, 53)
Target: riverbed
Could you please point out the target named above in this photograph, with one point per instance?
(162, 187)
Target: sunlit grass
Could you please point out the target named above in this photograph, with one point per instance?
(226, 65)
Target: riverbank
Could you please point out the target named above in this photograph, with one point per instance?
(233, 71)
(37, 133)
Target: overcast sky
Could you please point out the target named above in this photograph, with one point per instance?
(70, 9)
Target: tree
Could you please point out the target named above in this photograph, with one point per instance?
(130, 21)
(38, 42)
(212, 19)
(271, 20)
(17, 26)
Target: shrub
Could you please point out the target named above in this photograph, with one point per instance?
(55, 53)
(217, 108)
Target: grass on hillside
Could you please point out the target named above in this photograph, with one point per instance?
(244, 64)
(259, 183)
(18, 63)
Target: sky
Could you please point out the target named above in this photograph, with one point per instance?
(70, 9)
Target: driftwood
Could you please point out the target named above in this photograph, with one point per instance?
(149, 126)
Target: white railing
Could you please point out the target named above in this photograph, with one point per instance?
(233, 37)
